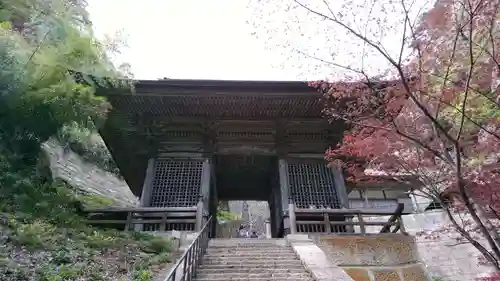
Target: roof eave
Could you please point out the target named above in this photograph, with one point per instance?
(164, 87)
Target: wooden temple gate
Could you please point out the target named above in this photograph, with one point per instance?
(182, 145)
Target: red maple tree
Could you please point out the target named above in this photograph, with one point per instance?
(437, 117)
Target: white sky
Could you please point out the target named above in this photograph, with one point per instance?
(187, 39)
(200, 39)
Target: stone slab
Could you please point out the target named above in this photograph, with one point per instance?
(315, 260)
(381, 249)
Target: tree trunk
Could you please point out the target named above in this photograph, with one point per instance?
(472, 211)
(484, 217)
(491, 258)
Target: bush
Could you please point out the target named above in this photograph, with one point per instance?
(50, 67)
(43, 226)
(223, 215)
(88, 144)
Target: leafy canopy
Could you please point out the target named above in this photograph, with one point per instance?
(42, 45)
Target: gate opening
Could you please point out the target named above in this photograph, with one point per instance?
(241, 218)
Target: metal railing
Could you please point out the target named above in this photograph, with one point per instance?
(341, 220)
(186, 265)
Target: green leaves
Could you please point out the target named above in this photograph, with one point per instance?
(42, 45)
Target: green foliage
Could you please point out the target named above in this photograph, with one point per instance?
(28, 234)
(50, 65)
(143, 276)
(70, 248)
(92, 201)
(64, 272)
(86, 143)
(44, 218)
(39, 91)
(479, 107)
(223, 215)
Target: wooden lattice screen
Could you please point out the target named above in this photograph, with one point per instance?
(311, 184)
(176, 182)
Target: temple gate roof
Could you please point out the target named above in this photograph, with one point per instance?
(213, 117)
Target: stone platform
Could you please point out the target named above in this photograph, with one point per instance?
(378, 257)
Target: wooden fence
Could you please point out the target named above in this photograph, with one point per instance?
(148, 218)
(191, 219)
(341, 220)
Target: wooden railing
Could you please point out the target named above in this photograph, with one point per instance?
(185, 268)
(148, 218)
(341, 220)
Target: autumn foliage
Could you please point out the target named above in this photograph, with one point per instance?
(436, 117)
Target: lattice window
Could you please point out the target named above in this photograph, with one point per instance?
(176, 182)
(244, 134)
(181, 134)
(309, 135)
(311, 184)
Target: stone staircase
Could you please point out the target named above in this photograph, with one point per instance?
(251, 260)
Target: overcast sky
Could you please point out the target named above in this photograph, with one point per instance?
(201, 39)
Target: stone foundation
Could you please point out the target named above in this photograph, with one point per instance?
(381, 257)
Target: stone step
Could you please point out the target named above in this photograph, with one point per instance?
(262, 275)
(251, 251)
(246, 246)
(251, 262)
(269, 240)
(247, 242)
(250, 255)
(253, 279)
(249, 247)
(243, 245)
(249, 270)
(295, 264)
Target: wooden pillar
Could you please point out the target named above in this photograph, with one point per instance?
(206, 177)
(284, 193)
(268, 229)
(147, 186)
(291, 217)
(199, 215)
(340, 187)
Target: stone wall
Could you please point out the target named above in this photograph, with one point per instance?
(444, 257)
(380, 257)
(69, 167)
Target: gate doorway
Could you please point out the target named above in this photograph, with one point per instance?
(247, 184)
(242, 218)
